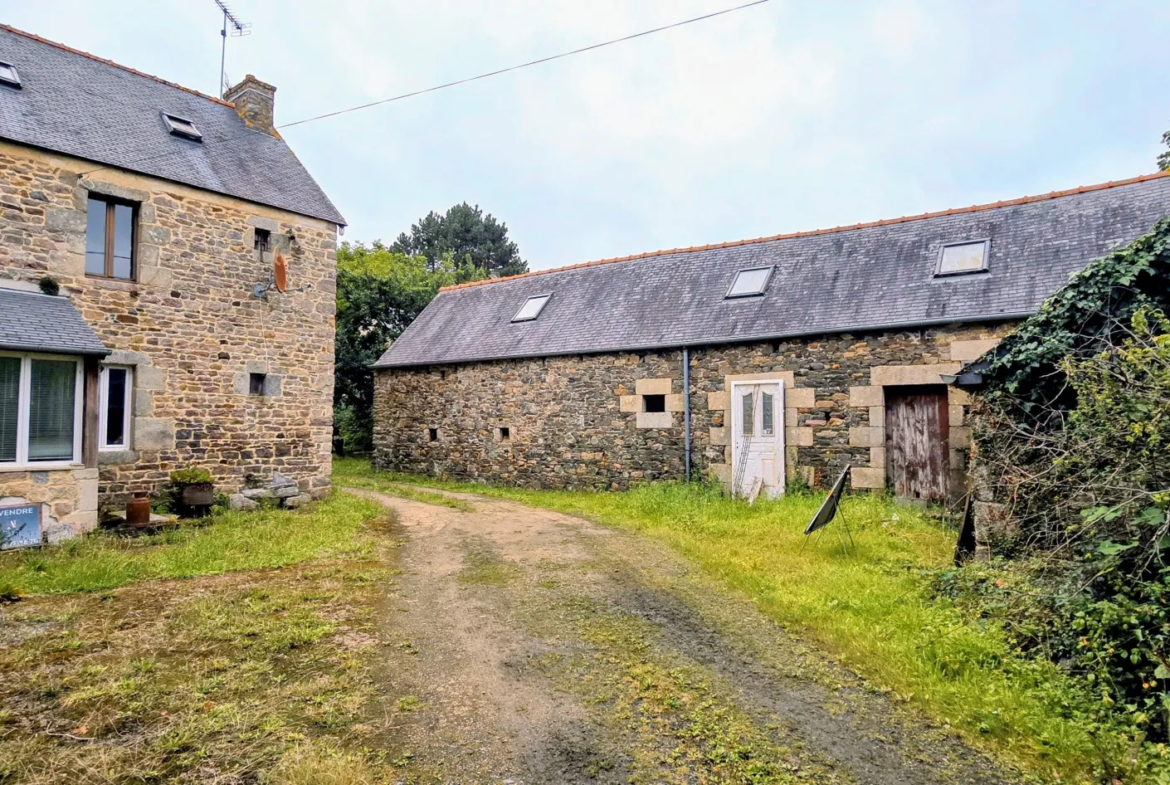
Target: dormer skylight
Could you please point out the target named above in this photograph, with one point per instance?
(8, 75)
(750, 282)
(184, 128)
(963, 258)
(532, 308)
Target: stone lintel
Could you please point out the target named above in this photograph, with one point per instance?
(788, 377)
(652, 387)
(894, 375)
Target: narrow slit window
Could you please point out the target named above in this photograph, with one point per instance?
(531, 308)
(653, 403)
(767, 415)
(432, 434)
(256, 383)
(749, 283)
(114, 416)
(748, 425)
(962, 258)
(181, 127)
(9, 76)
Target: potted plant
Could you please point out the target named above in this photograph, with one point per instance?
(196, 487)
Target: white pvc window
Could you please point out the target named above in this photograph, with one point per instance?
(750, 282)
(115, 400)
(40, 410)
(532, 308)
(963, 258)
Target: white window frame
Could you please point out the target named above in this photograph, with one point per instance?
(771, 268)
(22, 462)
(103, 410)
(544, 298)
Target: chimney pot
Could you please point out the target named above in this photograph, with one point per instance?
(255, 102)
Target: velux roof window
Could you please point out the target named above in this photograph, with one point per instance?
(184, 128)
(750, 282)
(532, 308)
(8, 75)
(962, 258)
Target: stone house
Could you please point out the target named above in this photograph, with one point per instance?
(758, 363)
(195, 261)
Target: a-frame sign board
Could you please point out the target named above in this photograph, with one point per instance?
(829, 510)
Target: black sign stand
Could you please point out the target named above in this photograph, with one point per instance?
(829, 509)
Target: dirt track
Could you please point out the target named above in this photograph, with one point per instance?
(526, 647)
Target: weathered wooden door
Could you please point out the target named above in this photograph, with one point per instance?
(916, 442)
(757, 444)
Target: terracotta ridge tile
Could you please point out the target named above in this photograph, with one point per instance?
(128, 69)
(832, 230)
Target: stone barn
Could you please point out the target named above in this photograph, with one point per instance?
(758, 363)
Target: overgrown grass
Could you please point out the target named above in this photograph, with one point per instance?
(871, 609)
(231, 541)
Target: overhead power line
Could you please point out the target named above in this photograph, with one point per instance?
(529, 64)
(170, 153)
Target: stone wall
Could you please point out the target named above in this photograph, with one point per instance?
(579, 421)
(189, 324)
(68, 499)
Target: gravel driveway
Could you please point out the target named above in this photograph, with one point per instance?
(524, 646)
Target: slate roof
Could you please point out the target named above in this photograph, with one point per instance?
(71, 102)
(33, 322)
(849, 279)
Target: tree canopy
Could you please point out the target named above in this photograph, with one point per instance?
(379, 293)
(1164, 158)
(465, 234)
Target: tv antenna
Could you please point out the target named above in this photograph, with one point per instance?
(238, 30)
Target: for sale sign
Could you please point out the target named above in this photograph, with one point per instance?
(20, 526)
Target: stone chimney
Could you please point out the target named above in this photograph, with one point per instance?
(255, 102)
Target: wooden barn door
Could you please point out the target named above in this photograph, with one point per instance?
(917, 463)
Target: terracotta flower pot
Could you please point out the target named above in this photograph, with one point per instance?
(138, 509)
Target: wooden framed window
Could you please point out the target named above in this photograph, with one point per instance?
(111, 237)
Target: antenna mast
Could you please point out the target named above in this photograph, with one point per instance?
(239, 29)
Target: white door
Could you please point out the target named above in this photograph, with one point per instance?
(757, 441)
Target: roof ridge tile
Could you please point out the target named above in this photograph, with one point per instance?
(1082, 189)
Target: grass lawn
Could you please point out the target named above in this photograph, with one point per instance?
(871, 609)
(255, 667)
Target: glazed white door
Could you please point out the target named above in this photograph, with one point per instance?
(757, 442)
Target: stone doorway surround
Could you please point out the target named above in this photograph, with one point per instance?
(795, 399)
(873, 398)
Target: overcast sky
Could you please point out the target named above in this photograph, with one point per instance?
(782, 117)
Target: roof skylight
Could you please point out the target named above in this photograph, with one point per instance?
(8, 75)
(180, 127)
(532, 308)
(750, 282)
(962, 258)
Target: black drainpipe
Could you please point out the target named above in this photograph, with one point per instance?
(687, 411)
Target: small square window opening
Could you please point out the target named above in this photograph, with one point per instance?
(181, 127)
(432, 434)
(531, 308)
(256, 383)
(653, 403)
(749, 283)
(8, 75)
(263, 240)
(961, 258)
(505, 433)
